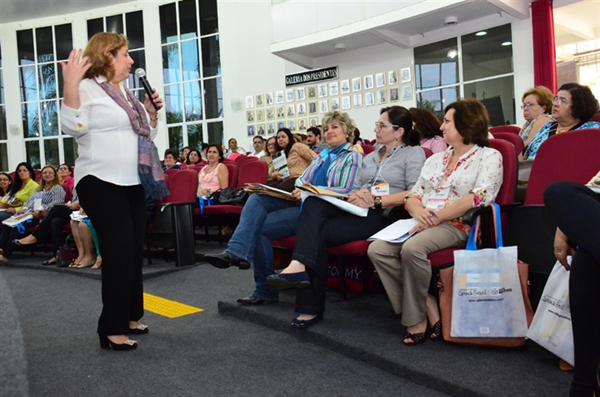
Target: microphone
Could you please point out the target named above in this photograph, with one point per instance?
(141, 74)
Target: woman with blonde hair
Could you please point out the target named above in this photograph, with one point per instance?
(537, 110)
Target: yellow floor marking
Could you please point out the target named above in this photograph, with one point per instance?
(168, 308)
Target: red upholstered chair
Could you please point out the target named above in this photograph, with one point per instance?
(171, 171)
(571, 156)
(428, 152)
(515, 139)
(368, 149)
(37, 175)
(505, 128)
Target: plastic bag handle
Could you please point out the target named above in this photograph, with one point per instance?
(471, 244)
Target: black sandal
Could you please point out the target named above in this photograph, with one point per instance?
(416, 338)
(435, 332)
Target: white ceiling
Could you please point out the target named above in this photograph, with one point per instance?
(21, 10)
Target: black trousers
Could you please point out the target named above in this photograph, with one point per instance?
(118, 214)
(576, 210)
(9, 234)
(53, 223)
(322, 225)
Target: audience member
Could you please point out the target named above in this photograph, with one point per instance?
(65, 175)
(386, 179)
(537, 109)
(49, 192)
(258, 143)
(573, 107)
(428, 127)
(272, 149)
(214, 176)
(21, 189)
(170, 162)
(88, 248)
(5, 182)
(313, 140)
(233, 148)
(193, 158)
(356, 141)
(468, 174)
(298, 157)
(265, 218)
(183, 155)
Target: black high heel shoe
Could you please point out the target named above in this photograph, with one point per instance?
(139, 330)
(105, 343)
(435, 332)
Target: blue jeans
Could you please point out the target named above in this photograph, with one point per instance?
(263, 219)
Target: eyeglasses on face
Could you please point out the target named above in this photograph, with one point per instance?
(528, 105)
(560, 101)
(4, 180)
(380, 126)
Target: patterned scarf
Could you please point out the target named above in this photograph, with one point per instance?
(149, 168)
(327, 156)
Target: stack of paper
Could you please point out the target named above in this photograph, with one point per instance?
(397, 232)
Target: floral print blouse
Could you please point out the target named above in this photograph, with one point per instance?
(477, 172)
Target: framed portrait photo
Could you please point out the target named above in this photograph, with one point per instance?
(334, 104)
(369, 98)
(291, 110)
(356, 84)
(380, 80)
(280, 124)
(323, 106)
(394, 95)
(260, 115)
(250, 129)
(334, 88)
(311, 92)
(269, 98)
(289, 95)
(381, 97)
(279, 97)
(405, 75)
(260, 129)
(250, 116)
(271, 113)
(249, 102)
(344, 86)
(368, 80)
(300, 93)
(393, 77)
(280, 112)
(346, 104)
(301, 109)
(302, 125)
(313, 121)
(291, 124)
(270, 128)
(322, 90)
(312, 108)
(260, 100)
(407, 92)
(357, 101)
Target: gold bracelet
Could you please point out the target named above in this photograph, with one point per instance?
(154, 118)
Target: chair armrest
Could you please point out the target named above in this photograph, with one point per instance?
(180, 204)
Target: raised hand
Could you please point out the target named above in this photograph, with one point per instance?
(75, 68)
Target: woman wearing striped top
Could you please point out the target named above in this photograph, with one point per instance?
(266, 218)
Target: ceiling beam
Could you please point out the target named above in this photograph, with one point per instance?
(576, 27)
(517, 9)
(394, 38)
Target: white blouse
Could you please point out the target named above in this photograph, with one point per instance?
(107, 145)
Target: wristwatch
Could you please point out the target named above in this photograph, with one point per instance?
(377, 201)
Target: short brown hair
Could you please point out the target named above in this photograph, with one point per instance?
(584, 104)
(544, 97)
(97, 50)
(471, 121)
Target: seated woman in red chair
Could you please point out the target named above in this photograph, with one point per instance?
(298, 157)
(387, 176)
(21, 189)
(5, 182)
(49, 192)
(537, 106)
(214, 176)
(65, 175)
(468, 174)
(193, 158)
(428, 127)
(170, 162)
(267, 218)
(272, 148)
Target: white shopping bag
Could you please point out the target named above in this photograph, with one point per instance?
(487, 301)
(551, 326)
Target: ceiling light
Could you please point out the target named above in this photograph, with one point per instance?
(481, 33)
(506, 44)
(452, 53)
(449, 21)
(339, 46)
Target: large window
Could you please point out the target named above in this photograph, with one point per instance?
(477, 65)
(40, 50)
(192, 73)
(3, 135)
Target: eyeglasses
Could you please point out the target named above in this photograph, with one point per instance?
(528, 105)
(380, 126)
(4, 180)
(560, 101)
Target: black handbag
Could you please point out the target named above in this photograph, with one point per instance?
(232, 196)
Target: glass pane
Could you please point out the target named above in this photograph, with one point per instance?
(64, 41)
(4, 157)
(168, 23)
(49, 119)
(188, 19)
(175, 138)
(31, 120)
(60, 84)
(29, 90)
(211, 56)
(213, 95)
(69, 150)
(485, 56)
(114, 24)
(192, 101)
(436, 63)
(135, 29)
(0, 56)
(1, 88)
(191, 61)
(25, 46)
(43, 38)
(498, 96)
(95, 26)
(51, 152)
(139, 61)
(194, 133)
(3, 134)
(215, 133)
(32, 148)
(436, 100)
(170, 56)
(47, 81)
(208, 17)
(173, 106)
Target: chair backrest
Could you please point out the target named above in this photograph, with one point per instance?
(512, 138)
(367, 149)
(183, 186)
(68, 193)
(596, 118)
(571, 156)
(515, 129)
(428, 152)
(253, 172)
(240, 161)
(506, 195)
(37, 175)
(171, 171)
(232, 168)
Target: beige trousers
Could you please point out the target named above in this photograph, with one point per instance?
(405, 271)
